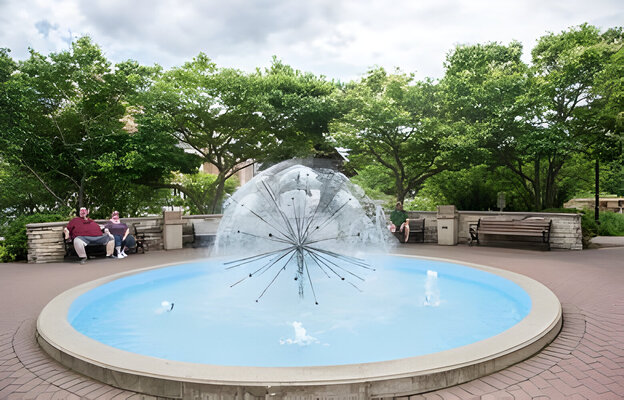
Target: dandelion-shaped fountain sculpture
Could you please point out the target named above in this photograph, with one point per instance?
(296, 217)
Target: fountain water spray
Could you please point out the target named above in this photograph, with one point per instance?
(310, 220)
(432, 292)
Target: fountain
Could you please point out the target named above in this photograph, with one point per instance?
(300, 299)
(295, 217)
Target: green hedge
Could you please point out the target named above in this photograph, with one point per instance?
(15, 245)
(589, 227)
(611, 224)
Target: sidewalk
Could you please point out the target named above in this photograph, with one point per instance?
(586, 361)
(607, 241)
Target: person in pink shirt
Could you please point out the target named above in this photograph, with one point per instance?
(121, 233)
(83, 230)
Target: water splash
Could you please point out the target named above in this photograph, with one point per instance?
(432, 292)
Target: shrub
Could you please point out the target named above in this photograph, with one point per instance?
(3, 253)
(611, 224)
(15, 246)
(589, 227)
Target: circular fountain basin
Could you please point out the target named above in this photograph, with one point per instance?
(412, 325)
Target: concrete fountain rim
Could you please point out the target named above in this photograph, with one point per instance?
(427, 372)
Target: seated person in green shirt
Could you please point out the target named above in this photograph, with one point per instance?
(398, 217)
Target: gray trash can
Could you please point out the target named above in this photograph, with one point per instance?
(447, 225)
(172, 230)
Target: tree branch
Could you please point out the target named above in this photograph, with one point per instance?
(42, 182)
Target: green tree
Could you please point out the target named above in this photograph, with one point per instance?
(531, 120)
(297, 108)
(483, 93)
(391, 121)
(67, 126)
(213, 113)
(570, 117)
(72, 118)
(608, 120)
(22, 194)
(232, 119)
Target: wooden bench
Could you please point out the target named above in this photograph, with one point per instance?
(417, 231)
(528, 228)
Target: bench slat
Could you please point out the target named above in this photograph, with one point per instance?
(514, 228)
(514, 223)
(513, 233)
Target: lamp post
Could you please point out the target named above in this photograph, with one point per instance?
(597, 199)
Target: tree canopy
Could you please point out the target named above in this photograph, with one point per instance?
(532, 119)
(65, 127)
(392, 121)
(76, 129)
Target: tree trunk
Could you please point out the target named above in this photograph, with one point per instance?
(550, 192)
(81, 191)
(597, 194)
(400, 190)
(537, 185)
(215, 205)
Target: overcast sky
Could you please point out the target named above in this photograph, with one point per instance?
(336, 38)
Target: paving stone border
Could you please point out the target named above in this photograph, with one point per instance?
(586, 361)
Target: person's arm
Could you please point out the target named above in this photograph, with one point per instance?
(69, 229)
(126, 234)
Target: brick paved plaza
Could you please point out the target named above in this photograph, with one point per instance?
(586, 361)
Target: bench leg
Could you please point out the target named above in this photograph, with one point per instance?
(473, 236)
(546, 239)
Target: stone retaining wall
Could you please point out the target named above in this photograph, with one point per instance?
(565, 234)
(45, 242)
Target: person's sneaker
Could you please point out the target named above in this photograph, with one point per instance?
(83, 261)
(123, 254)
(111, 256)
(120, 255)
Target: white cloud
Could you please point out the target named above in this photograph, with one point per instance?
(339, 39)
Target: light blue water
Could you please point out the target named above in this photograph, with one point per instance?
(400, 312)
